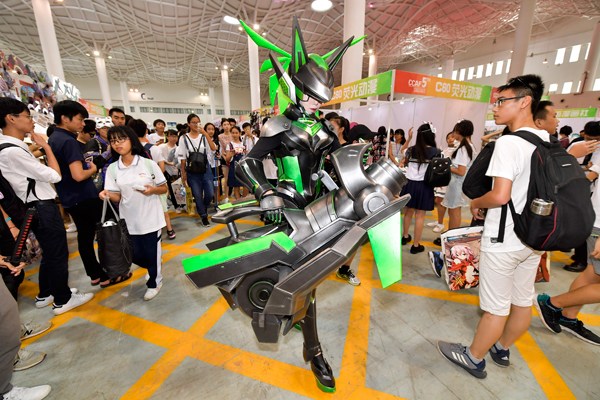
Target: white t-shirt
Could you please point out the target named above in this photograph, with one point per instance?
(511, 160)
(156, 154)
(462, 157)
(249, 142)
(143, 214)
(169, 154)
(155, 137)
(238, 148)
(199, 143)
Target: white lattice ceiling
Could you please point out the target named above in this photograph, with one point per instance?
(184, 41)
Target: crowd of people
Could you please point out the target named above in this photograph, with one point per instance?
(121, 160)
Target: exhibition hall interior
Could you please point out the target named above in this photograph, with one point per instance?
(273, 199)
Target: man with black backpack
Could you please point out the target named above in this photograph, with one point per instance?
(18, 165)
(507, 268)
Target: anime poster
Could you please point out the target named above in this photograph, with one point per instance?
(461, 249)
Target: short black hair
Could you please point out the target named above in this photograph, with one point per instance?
(542, 109)
(171, 132)
(330, 115)
(245, 124)
(232, 121)
(526, 85)
(69, 109)
(89, 126)
(139, 127)
(565, 130)
(592, 128)
(126, 132)
(156, 121)
(114, 110)
(10, 106)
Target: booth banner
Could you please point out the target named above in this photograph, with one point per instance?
(576, 113)
(426, 85)
(372, 86)
(93, 108)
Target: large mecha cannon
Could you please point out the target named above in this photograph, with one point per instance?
(271, 272)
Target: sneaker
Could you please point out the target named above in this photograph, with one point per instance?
(576, 328)
(438, 242)
(432, 224)
(406, 240)
(71, 228)
(500, 356)
(550, 316)
(152, 292)
(575, 267)
(205, 221)
(348, 277)
(437, 262)
(417, 249)
(171, 234)
(457, 354)
(76, 300)
(438, 228)
(32, 329)
(26, 359)
(41, 302)
(25, 393)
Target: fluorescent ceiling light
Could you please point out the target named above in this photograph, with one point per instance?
(256, 27)
(231, 20)
(96, 53)
(321, 5)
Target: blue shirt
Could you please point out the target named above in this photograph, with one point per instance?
(67, 150)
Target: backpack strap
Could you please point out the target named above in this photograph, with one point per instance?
(30, 181)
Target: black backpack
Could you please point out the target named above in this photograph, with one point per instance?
(557, 177)
(476, 182)
(438, 172)
(12, 205)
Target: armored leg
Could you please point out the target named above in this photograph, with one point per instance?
(312, 349)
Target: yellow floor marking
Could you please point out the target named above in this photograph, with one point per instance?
(542, 369)
(437, 294)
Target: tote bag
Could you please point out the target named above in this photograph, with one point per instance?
(114, 244)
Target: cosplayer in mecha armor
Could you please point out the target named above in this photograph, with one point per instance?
(271, 273)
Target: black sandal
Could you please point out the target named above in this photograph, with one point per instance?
(116, 280)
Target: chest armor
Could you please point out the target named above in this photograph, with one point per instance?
(302, 153)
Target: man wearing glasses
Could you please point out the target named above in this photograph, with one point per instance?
(507, 269)
(18, 165)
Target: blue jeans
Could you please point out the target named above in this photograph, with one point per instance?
(202, 189)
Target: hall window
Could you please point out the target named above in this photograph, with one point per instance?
(479, 73)
(567, 86)
(508, 65)
(499, 66)
(454, 75)
(587, 51)
(471, 72)
(489, 69)
(596, 85)
(560, 56)
(553, 88)
(461, 75)
(575, 53)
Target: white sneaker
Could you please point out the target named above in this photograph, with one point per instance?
(438, 228)
(24, 393)
(41, 302)
(32, 329)
(76, 300)
(432, 224)
(71, 228)
(152, 292)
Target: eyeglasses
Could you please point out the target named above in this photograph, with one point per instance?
(501, 100)
(23, 115)
(118, 140)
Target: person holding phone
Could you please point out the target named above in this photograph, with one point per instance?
(136, 183)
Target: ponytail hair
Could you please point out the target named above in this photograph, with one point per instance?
(465, 129)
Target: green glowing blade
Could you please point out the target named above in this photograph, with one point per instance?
(385, 242)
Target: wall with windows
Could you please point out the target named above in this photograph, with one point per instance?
(171, 103)
(558, 57)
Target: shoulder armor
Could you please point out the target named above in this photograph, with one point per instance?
(275, 126)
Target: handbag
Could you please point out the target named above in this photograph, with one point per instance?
(114, 244)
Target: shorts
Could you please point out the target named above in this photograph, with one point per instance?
(591, 243)
(507, 278)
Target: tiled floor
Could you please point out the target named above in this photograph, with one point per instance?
(187, 343)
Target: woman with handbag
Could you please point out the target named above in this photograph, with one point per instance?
(196, 152)
(235, 151)
(136, 183)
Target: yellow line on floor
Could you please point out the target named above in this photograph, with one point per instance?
(437, 294)
(542, 369)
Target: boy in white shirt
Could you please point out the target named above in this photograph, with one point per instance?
(507, 269)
